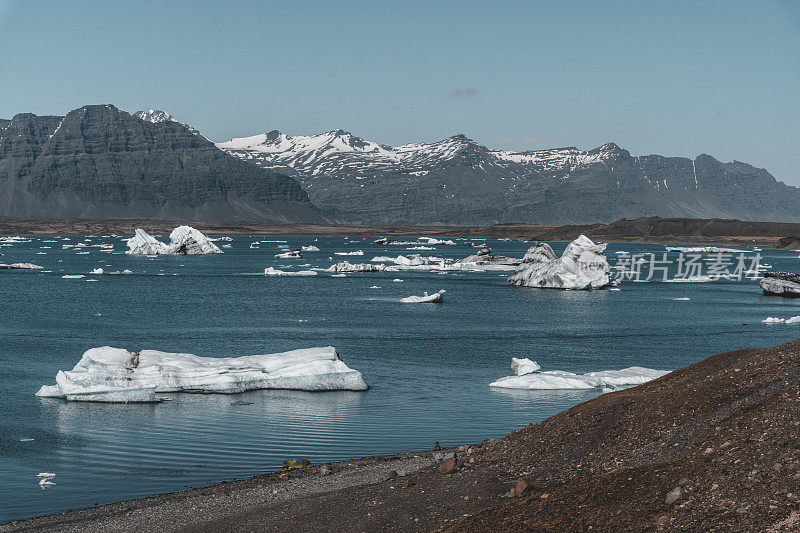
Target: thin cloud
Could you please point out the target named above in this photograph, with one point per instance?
(466, 92)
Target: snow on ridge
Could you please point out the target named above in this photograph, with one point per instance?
(339, 153)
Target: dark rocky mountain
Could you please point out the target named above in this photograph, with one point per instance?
(458, 181)
(101, 162)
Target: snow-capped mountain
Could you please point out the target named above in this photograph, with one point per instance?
(459, 181)
(157, 116)
(339, 153)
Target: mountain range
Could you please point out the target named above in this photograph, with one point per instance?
(459, 181)
(101, 162)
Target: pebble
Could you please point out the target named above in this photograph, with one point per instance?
(391, 474)
(520, 487)
(325, 470)
(296, 463)
(448, 466)
(674, 495)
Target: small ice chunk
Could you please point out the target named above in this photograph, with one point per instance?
(436, 297)
(97, 271)
(46, 475)
(356, 252)
(523, 366)
(310, 248)
(72, 276)
(682, 299)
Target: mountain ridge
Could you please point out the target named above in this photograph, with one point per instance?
(457, 180)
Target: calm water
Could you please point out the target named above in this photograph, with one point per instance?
(428, 366)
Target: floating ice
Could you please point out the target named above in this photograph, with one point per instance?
(345, 266)
(109, 374)
(559, 379)
(96, 271)
(184, 240)
(310, 248)
(355, 252)
(703, 249)
(781, 284)
(426, 298)
(521, 367)
(269, 271)
(21, 266)
(581, 266)
(775, 320)
(72, 276)
(46, 475)
(683, 299)
(293, 254)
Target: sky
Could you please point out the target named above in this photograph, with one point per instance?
(673, 78)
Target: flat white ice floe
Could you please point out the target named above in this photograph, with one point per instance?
(184, 240)
(436, 297)
(20, 266)
(355, 252)
(581, 266)
(109, 374)
(703, 249)
(346, 266)
(269, 271)
(292, 254)
(559, 379)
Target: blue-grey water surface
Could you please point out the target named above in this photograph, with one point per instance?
(428, 365)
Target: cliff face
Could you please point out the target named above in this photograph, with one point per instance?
(101, 162)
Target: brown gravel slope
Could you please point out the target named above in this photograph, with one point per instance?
(721, 437)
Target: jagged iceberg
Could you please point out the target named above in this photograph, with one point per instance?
(521, 367)
(109, 374)
(435, 298)
(184, 240)
(581, 266)
(781, 284)
(292, 254)
(530, 379)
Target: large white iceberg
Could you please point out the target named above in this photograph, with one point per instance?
(529, 379)
(581, 266)
(21, 266)
(269, 271)
(109, 374)
(184, 240)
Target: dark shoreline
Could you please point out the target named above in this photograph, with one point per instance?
(642, 230)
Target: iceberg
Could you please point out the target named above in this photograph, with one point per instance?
(775, 320)
(97, 271)
(520, 367)
(781, 284)
(184, 240)
(355, 252)
(581, 266)
(269, 271)
(559, 379)
(310, 248)
(293, 254)
(109, 374)
(21, 266)
(435, 298)
(345, 266)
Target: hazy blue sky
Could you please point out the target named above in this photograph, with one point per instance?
(676, 78)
